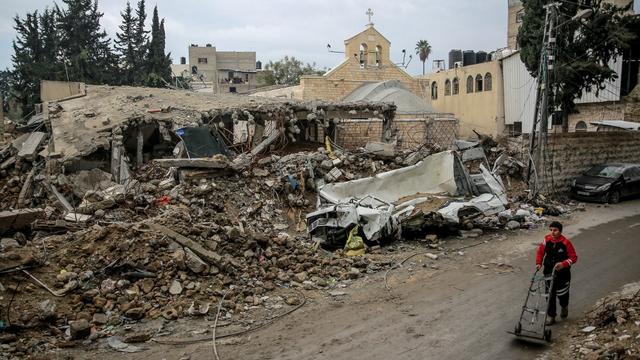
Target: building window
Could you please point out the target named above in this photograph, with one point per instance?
(202, 60)
(469, 84)
(378, 55)
(581, 126)
(520, 16)
(434, 90)
(456, 86)
(447, 88)
(487, 82)
(363, 55)
(478, 83)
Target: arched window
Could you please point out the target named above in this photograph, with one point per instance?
(469, 84)
(456, 86)
(434, 90)
(581, 126)
(478, 83)
(363, 55)
(378, 55)
(487, 82)
(447, 87)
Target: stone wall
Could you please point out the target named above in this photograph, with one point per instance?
(411, 133)
(352, 134)
(58, 90)
(348, 76)
(571, 154)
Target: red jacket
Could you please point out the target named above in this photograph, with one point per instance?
(572, 258)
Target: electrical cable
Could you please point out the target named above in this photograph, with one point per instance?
(237, 333)
(215, 326)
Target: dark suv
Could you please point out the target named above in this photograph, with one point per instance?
(607, 183)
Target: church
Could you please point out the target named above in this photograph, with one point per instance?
(367, 74)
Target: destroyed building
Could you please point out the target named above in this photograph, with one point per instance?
(126, 203)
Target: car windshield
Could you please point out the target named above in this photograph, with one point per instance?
(605, 171)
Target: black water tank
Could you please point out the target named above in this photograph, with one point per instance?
(468, 57)
(258, 65)
(455, 55)
(481, 56)
(183, 60)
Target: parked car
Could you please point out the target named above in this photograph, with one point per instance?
(607, 183)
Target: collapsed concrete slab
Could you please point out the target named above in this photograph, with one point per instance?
(219, 162)
(435, 187)
(18, 219)
(29, 148)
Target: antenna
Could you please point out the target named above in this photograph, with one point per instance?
(333, 51)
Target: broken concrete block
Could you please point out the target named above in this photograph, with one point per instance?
(8, 244)
(260, 172)
(30, 147)
(176, 288)
(18, 219)
(79, 329)
(432, 256)
(19, 141)
(194, 263)
(512, 225)
(333, 175)
(7, 163)
(381, 149)
(72, 216)
(208, 255)
(202, 163)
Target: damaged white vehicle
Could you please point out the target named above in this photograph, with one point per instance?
(436, 190)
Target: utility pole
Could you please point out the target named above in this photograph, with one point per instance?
(538, 139)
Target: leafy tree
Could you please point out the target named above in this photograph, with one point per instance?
(583, 48)
(423, 50)
(84, 46)
(288, 71)
(125, 45)
(27, 48)
(50, 66)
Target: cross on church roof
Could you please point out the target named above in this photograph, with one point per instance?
(370, 14)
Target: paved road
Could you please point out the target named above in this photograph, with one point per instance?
(608, 259)
(461, 311)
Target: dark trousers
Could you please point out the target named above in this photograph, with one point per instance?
(560, 291)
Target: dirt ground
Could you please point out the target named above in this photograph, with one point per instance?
(459, 306)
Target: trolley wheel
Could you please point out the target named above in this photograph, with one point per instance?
(518, 329)
(547, 335)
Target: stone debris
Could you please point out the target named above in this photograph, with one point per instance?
(119, 235)
(609, 331)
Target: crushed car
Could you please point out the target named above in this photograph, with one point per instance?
(437, 190)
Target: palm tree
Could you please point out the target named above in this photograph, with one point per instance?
(423, 49)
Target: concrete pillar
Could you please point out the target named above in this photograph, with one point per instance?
(139, 147)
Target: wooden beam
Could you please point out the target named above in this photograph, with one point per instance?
(202, 163)
(207, 255)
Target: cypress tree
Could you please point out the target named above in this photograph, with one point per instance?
(140, 39)
(126, 47)
(159, 64)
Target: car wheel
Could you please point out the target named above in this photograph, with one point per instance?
(613, 197)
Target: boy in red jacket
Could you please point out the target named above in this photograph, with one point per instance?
(558, 253)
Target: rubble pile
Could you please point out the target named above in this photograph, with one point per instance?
(129, 260)
(126, 219)
(610, 331)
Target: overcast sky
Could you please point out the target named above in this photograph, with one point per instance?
(303, 28)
